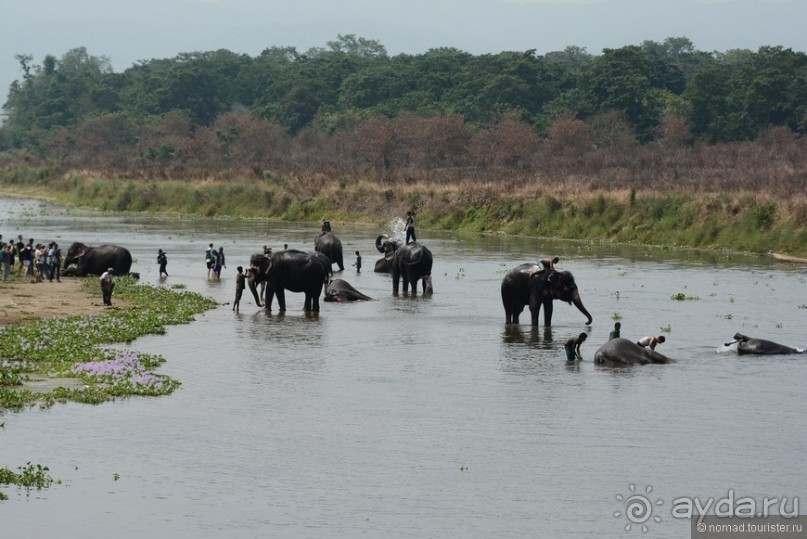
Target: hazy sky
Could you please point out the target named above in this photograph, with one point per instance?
(126, 31)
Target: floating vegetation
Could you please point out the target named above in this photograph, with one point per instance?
(616, 316)
(666, 329)
(680, 296)
(72, 348)
(30, 476)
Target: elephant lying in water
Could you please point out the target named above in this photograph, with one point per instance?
(341, 290)
(748, 345)
(623, 352)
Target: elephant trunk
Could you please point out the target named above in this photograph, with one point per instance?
(380, 241)
(579, 304)
(253, 288)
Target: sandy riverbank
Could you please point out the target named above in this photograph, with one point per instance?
(24, 302)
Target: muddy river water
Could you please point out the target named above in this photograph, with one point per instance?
(422, 417)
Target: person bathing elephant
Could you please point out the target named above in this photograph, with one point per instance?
(97, 260)
(387, 246)
(621, 352)
(529, 284)
(342, 291)
(412, 262)
(748, 345)
(329, 245)
(291, 270)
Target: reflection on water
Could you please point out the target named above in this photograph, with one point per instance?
(420, 416)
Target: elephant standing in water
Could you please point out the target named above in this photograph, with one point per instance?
(623, 352)
(388, 247)
(530, 284)
(96, 260)
(291, 270)
(412, 263)
(748, 345)
(329, 245)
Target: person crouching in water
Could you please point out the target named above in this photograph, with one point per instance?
(572, 347)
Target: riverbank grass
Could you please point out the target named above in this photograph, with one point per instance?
(67, 359)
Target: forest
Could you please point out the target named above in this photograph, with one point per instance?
(650, 119)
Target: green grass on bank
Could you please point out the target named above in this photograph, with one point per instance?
(70, 354)
(739, 221)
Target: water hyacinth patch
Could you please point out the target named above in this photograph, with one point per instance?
(73, 347)
(127, 373)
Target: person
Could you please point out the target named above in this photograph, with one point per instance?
(107, 285)
(219, 263)
(326, 226)
(549, 263)
(410, 227)
(572, 347)
(5, 256)
(162, 260)
(210, 259)
(358, 262)
(240, 285)
(267, 251)
(651, 341)
(615, 333)
(20, 248)
(56, 270)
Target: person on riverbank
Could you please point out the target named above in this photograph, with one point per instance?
(56, 268)
(615, 334)
(410, 227)
(162, 260)
(7, 259)
(651, 341)
(572, 347)
(107, 285)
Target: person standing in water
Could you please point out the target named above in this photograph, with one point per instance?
(410, 227)
(162, 260)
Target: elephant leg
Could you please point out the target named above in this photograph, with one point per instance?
(281, 300)
(396, 283)
(534, 312)
(307, 303)
(315, 303)
(548, 306)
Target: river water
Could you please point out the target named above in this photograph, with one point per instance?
(421, 417)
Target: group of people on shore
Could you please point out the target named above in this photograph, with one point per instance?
(34, 262)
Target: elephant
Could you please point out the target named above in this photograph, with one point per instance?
(412, 262)
(621, 352)
(388, 247)
(329, 245)
(341, 291)
(748, 345)
(530, 284)
(291, 270)
(96, 260)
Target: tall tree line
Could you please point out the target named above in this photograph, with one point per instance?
(658, 90)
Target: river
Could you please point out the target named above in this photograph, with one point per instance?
(421, 417)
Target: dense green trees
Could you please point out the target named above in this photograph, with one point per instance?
(651, 88)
